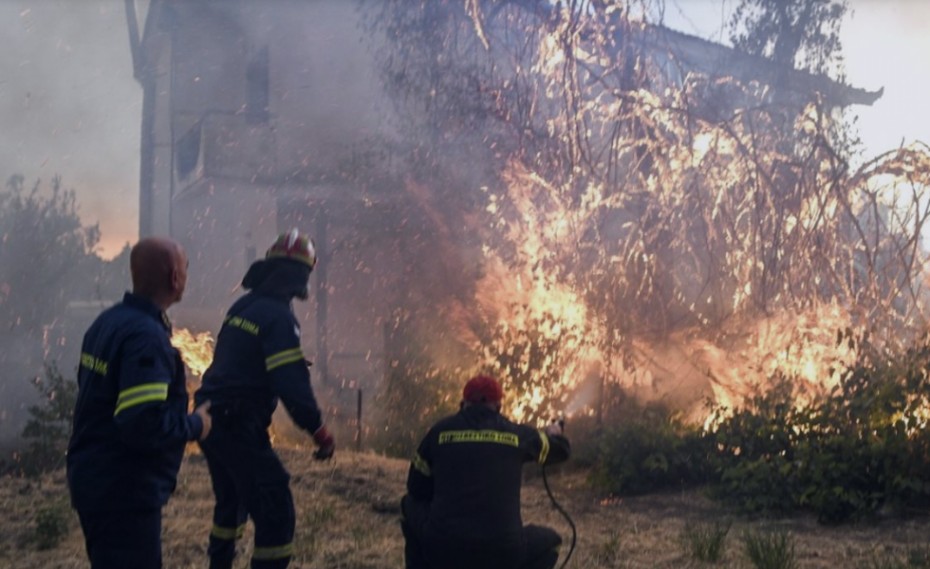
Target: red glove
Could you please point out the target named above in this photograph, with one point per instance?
(325, 442)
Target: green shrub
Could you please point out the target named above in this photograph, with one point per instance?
(846, 455)
(770, 550)
(49, 426)
(753, 460)
(585, 434)
(651, 449)
(705, 542)
(852, 452)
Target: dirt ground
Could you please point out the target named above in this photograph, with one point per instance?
(347, 518)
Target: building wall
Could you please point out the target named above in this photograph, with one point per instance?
(260, 109)
(159, 216)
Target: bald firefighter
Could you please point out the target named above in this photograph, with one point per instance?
(462, 508)
(257, 361)
(131, 419)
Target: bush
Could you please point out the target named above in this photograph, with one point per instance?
(849, 454)
(861, 449)
(753, 459)
(651, 449)
(49, 427)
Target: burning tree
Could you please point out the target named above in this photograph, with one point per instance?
(632, 202)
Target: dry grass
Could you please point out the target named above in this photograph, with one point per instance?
(347, 518)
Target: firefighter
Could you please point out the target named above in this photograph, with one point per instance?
(462, 508)
(131, 419)
(257, 361)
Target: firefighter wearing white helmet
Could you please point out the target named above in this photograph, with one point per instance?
(258, 360)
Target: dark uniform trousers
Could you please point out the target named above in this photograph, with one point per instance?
(123, 539)
(540, 548)
(248, 481)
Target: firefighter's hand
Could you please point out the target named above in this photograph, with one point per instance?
(325, 443)
(553, 428)
(203, 411)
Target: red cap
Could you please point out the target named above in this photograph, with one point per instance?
(482, 389)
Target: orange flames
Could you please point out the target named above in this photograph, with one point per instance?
(544, 337)
(196, 349)
(547, 341)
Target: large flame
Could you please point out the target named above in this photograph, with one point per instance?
(196, 349)
(546, 340)
(543, 337)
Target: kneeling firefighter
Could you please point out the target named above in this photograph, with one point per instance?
(258, 360)
(462, 508)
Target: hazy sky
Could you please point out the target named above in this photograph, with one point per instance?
(69, 104)
(885, 44)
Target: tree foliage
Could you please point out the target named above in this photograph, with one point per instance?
(43, 243)
(860, 449)
(803, 34)
(47, 260)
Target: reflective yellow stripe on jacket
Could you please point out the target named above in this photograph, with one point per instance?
(483, 436)
(544, 451)
(420, 464)
(140, 394)
(282, 358)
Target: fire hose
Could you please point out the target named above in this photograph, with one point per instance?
(560, 509)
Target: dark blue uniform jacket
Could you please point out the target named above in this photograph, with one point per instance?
(469, 468)
(258, 360)
(131, 420)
